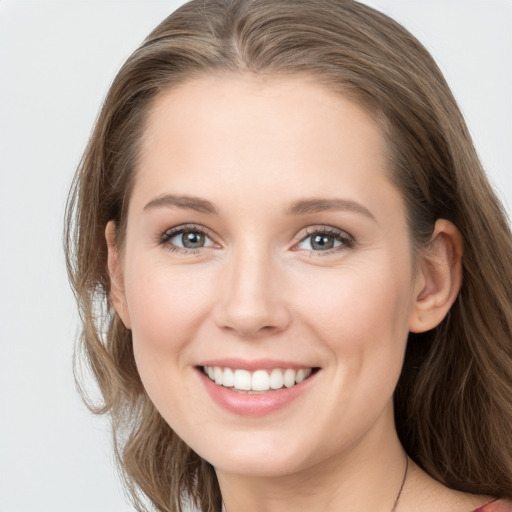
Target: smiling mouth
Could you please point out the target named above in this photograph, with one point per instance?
(258, 381)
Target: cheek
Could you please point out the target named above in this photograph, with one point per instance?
(164, 304)
(361, 317)
(357, 308)
(167, 307)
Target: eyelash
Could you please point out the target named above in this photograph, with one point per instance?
(346, 240)
(166, 236)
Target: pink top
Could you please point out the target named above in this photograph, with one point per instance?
(496, 506)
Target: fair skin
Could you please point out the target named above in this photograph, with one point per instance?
(264, 234)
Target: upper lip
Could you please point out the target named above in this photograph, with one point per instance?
(254, 364)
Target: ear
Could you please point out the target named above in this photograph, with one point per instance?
(117, 292)
(439, 277)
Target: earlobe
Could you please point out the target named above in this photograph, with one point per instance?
(117, 292)
(439, 277)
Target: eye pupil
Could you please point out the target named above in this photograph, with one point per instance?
(192, 239)
(322, 242)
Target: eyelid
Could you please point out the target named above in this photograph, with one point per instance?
(165, 237)
(347, 240)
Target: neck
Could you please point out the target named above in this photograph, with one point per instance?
(368, 477)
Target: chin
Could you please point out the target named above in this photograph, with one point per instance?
(259, 456)
(260, 467)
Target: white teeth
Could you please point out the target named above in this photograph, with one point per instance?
(302, 374)
(259, 380)
(276, 379)
(243, 380)
(217, 375)
(229, 378)
(289, 378)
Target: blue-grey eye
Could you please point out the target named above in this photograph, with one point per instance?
(190, 239)
(321, 241)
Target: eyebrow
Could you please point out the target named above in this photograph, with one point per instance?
(316, 205)
(187, 202)
(301, 207)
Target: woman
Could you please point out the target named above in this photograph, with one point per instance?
(294, 276)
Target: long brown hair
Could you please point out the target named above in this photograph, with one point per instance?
(453, 402)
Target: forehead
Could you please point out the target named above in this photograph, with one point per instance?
(264, 108)
(250, 134)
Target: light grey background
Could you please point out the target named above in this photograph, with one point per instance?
(57, 59)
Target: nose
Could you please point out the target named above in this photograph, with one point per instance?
(253, 301)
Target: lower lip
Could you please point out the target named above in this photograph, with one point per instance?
(261, 404)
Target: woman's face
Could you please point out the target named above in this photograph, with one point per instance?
(265, 243)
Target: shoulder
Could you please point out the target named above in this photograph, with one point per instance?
(496, 506)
